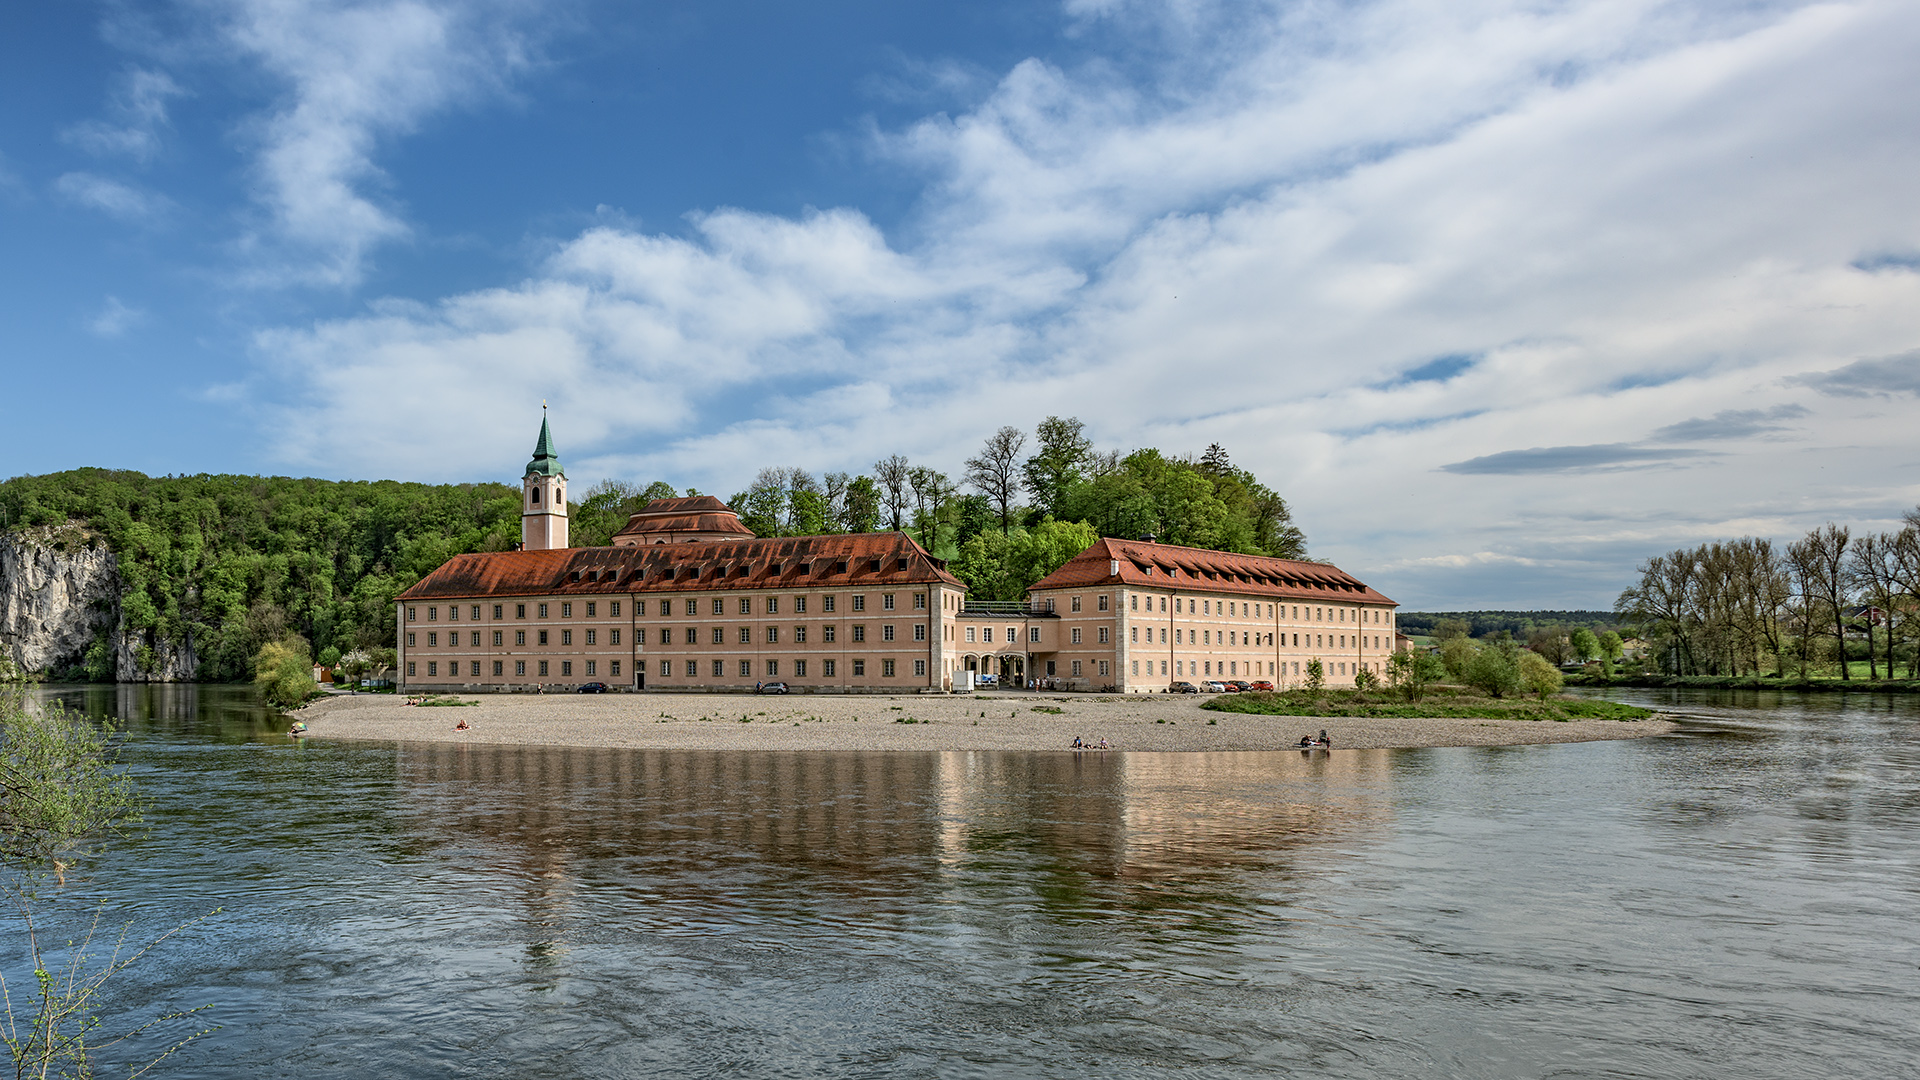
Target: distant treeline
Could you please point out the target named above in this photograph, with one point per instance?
(1520, 624)
(231, 563)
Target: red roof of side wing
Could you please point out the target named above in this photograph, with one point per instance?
(1166, 566)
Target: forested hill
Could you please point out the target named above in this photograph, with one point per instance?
(237, 561)
(1517, 623)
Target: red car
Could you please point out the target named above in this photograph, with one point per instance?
(1262, 685)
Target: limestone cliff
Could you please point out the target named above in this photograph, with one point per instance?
(60, 593)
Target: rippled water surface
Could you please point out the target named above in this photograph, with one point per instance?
(1736, 900)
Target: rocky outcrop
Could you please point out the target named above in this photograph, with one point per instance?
(60, 593)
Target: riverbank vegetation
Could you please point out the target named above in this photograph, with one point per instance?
(1825, 604)
(1440, 703)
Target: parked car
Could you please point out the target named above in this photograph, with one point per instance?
(773, 688)
(1183, 688)
(1214, 687)
(593, 688)
(1237, 686)
(1262, 685)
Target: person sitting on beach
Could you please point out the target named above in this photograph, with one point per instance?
(1103, 744)
(1076, 743)
(462, 725)
(1306, 741)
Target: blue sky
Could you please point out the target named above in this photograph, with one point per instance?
(1504, 297)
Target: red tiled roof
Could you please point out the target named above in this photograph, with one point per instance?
(692, 514)
(1164, 566)
(774, 563)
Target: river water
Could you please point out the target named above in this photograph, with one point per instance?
(1734, 900)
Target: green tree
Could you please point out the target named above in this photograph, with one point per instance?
(1059, 463)
(1537, 676)
(1412, 671)
(862, 512)
(1316, 680)
(1585, 644)
(995, 471)
(284, 673)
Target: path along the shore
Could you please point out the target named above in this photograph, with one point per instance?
(1001, 721)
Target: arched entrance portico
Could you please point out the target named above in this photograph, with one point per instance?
(1009, 670)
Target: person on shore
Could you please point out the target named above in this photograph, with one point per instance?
(1103, 744)
(1324, 741)
(1306, 741)
(1076, 743)
(462, 725)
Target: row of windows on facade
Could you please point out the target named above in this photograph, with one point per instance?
(1231, 608)
(719, 606)
(1242, 637)
(543, 668)
(1230, 668)
(718, 635)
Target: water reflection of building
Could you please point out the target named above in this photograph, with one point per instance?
(874, 823)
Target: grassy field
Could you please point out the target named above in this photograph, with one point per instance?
(1438, 704)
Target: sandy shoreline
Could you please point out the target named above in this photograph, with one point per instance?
(1010, 722)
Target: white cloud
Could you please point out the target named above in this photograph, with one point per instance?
(1629, 216)
(139, 112)
(355, 74)
(113, 197)
(115, 318)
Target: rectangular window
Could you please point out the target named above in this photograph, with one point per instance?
(1208, 635)
(826, 603)
(666, 609)
(1136, 638)
(591, 635)
(720, 634)
(746, 606)
(1033, 633)
(453, 614)
(566, 637)
(970, 636)
(433, 614)
(613, 609)
(859, 669)
(411, 612)
(499, 668)
(773, 635)
(409, 669)
(1103, 635)
(1076, 635)
(746, 636)
(640, 636)
(1103, 602)
(497, 609)
(827, 634)
(919, 631)
(1104, 668)
(613, 668)
(920, 669)
(1133, 604)
(886, 632)
(613, 637)
(720, 605)
(693, 608)
(543, 637)
(773, 605)
(543, 668)
(566, 610)
(473, 640)
(746, 669)
(886, 604)
(799, 635)
(719, 669)
(543, 611)
(592, 607)
(799, 605)
(520, 667)
(859, 633)
(1013, 634)
(799, 669)
(693, 669)
(433, 667)
(519, 611)
(1136, 667)
(566, 667)
(693, 636)
(520, 637)
(433, 639)
(886, 669)
(1076, 604)
(773, 669)
(826, 669)
(919, 601)
(1076, 668)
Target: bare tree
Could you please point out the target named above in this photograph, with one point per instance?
(995, 471)
(835, 494)
(891, 474)
(1819, 562)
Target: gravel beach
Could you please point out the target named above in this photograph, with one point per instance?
(833, 722)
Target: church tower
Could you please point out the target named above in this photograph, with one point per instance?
(543, 497)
